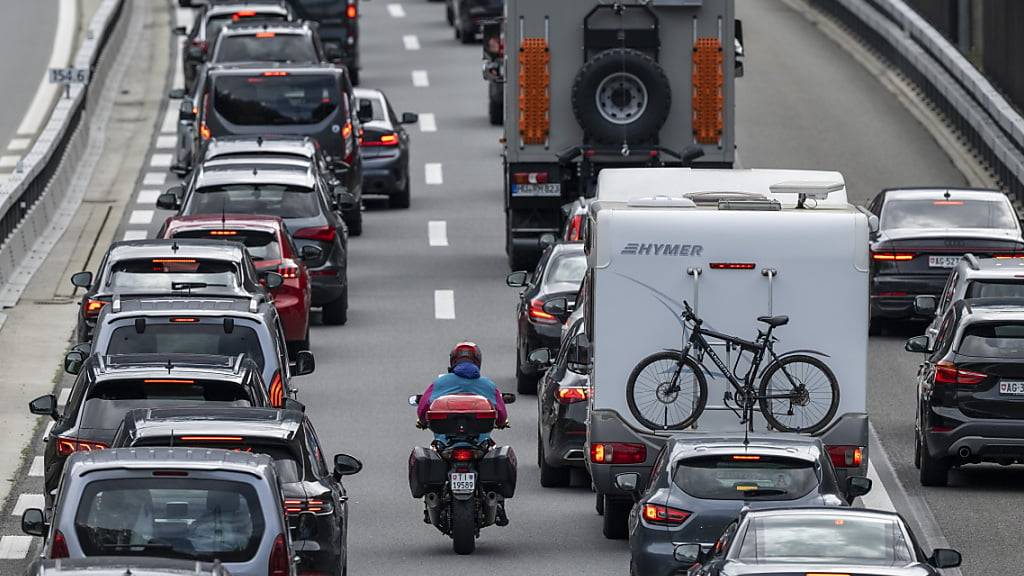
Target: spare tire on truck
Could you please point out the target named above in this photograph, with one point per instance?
(621, 95)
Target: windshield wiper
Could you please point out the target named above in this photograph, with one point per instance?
(194, 285)
(764, 492)
(138, 547)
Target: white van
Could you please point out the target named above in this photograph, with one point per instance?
(735, 245)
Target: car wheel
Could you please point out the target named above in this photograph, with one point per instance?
(400, 198)
(616, 514)
(449, 14)
(353, 75)
(354, 220)
(917, 451)
(599, 505)
(934, 472)
(467, 34)
(336, 313)
(551, 476)
(525, 383)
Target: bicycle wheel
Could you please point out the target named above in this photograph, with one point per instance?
(667, 391)
(798, 394)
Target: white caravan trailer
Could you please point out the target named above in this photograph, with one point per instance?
(734, 244)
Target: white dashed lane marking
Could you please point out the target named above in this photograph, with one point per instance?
(148, 197)
(37, 467)
(26, 501)
(432, 173)
(154, 179)
(49, 428)
(141, 217)
(411, 42)
(396, 11)
(62, 398)
(170, 123)
(134, 235)
(17, 144)
(420, 78)
(444, 304)
(437, 233)
(14, 547)
(427, 122)
(166, 142)
(9, 161)
(160, 160)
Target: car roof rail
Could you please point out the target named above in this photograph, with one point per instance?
(115, 305)
(254, 304)
(972, 261)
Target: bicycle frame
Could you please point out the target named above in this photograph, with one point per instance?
(758, 347)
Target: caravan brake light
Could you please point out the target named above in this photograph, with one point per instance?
(617, 453)
(732, 265)
(891, 256)
(530, 177)
(845, 456)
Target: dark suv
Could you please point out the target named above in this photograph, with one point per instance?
(971, 388)
(339, 29)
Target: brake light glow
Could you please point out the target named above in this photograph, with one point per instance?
(745, 457)
(947, 373)
(320, 233)
(68, 446)
(731, 265)
(184, 320)
(346, 130)
(462, 454)
(530, 177)
(59, 548)
(280, 563)
(664, 515)
(288, 270)
(948, 203)
(223, 232)
(266, 34)
(93, 307)
(384, 140)
(167, 381)
(295, 506)
(350, 12)
(617, 453)
(242, 14)
(174, 261)
(891, 256)
(575, 228)
(573, 394)
(275, 73)
(1007, 256)
(845, 456)
(204, 131)
(537, 313)
(277, 390)
(210, 438)
(838, 523)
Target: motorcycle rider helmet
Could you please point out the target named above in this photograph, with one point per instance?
(465, 352)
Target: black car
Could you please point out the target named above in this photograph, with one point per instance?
(921, 235)
(384, 147)
(165, 267)
(339, 29)
(211, 19)
(119, 566)
(700, 484)
(970, 388)
(295, 192)
(816, 541)
(314, 497)
(557, 277)
(109, 386)
(292, 42)
(467, 16)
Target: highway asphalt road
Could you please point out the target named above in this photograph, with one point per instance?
(26, 39)
(804, 103)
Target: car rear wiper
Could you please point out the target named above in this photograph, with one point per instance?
(136, 547)
(764, 492)
(194, 285)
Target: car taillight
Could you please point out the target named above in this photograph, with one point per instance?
(68, 446)
(92, 307)
(320, 233)
(390, 139)
(294, 506)
(537, 313)
(575, 228)
(892, 256)
(288, 270)
(845, 456)
(201, 44)
(530, 177)
(59, 548)
(1007, 256)
(573, 394)
(462, 454)
(351, 12)
(664, 515)
(617, 453)
(280, 563)
(277, 390)
(948, 373)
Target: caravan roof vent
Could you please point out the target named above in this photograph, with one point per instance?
(661, 201)
(813, 189)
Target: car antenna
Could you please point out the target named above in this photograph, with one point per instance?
(259, 141)
(946, 194)
(169, 366)
(223, 213)
(174, 246)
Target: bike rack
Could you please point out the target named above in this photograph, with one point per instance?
(770, 273)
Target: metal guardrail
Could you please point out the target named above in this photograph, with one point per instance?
(969, 101)
(32, 194)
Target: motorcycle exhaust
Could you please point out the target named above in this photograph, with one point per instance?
(433, 508)
(965, 452)
(490, 508)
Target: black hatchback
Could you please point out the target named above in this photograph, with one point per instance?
(970, 388)
(315, 500)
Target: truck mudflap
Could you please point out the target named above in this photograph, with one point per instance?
(848, 431)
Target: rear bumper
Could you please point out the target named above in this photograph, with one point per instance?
(292, 306)
(328, 284)
(566, 441)
(653, 552)
(984, 440)
(892, 295)
(384, 174)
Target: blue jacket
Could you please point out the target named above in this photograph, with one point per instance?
(465, 378)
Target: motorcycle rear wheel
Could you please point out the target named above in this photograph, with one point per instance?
(463, 523)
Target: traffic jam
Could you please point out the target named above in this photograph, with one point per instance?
(694, 335)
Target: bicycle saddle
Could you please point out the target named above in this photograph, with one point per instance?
(774, 321)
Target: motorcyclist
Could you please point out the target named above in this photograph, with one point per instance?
(463, 378)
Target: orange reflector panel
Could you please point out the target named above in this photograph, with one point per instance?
(708, 100)
(167, 381)
(534, 100)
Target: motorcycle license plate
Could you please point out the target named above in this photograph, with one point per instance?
(1012, 387)
(462, 482)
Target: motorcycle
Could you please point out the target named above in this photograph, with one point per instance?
(464, 482)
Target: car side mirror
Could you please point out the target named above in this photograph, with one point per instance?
(917, 344)
(272, 280)
(344, 199)
(82, 279)
(541, 357)
(925, 305)
(293, 404)
(345, 465)
(311, 253)
(410, 118)
(687, 553)
(557, 307)
(176, 94)
(44, 406)
(508, 398)
(517, 279)
(180, 30)
(414, 400)
(187, 110)
(945, 558)
(33, 522)
(195, 53)
(579, 354)
(169, 199)
(628, 482)
(857, 486)
(73, 361)
(304, 363)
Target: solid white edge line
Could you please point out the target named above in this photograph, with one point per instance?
(444, 304)
(411, 42)
(427, 122)
(437, 233)
(432, 173)
(60, 55)
(420, 79)
(15, 547)
(878, 498)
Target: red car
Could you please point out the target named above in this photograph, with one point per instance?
(271, 249)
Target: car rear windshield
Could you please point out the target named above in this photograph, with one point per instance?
(288, 470)
(947, 214)
(320, 9)
(171, 517)
(994, 289)
(261, 245)
(270, 199)
(746, 477)
(169, 388)
(187, 338)
(993, 340)
(570, 269)
(166, 274)
(266, 47)
(276, 100)
(371, 109)
(216, 23)
(831, 539)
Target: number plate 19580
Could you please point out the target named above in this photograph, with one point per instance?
(462, 482)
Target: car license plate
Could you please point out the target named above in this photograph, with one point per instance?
(943, 261)
(537, 190)
(462, 482)
(1012, 387)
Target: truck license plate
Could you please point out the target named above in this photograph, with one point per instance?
(1012, 387)
(943, 261)
(462, 482)
(532, 190)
